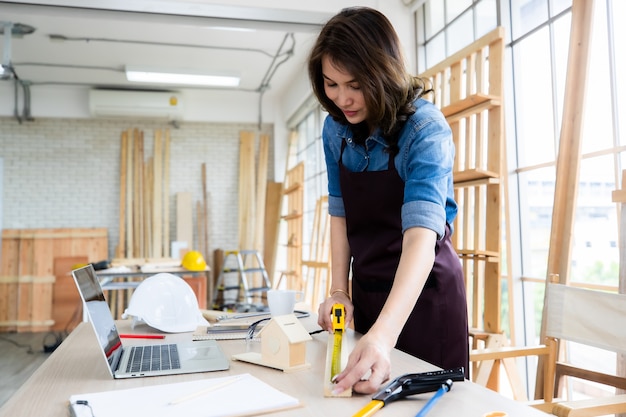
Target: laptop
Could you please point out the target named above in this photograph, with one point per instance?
(141, 361)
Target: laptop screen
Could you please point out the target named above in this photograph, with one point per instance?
(99, 314)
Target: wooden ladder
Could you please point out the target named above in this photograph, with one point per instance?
(244, 284)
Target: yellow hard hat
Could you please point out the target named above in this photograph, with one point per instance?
(194, 261)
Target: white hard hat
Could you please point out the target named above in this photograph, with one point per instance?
(167, 303)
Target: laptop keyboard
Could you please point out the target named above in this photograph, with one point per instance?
(153, 358)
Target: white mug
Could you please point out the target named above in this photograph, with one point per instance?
(283, 302)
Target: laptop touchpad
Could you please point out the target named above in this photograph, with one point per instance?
(200, 352)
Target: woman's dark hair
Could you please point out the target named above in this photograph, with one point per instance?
(362, 42)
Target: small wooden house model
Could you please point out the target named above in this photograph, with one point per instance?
(283, 343)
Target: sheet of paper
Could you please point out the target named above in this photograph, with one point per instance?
(223, 401)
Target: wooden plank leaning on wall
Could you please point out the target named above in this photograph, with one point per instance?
(144, 196)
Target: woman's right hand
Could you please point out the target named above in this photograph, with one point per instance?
(324, 318)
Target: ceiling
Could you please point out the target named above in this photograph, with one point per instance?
(89, 42)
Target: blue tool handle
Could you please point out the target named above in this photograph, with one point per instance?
(445, 387)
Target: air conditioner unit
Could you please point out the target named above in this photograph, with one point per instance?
(136, 103)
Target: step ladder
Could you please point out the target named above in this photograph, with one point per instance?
(246, 265)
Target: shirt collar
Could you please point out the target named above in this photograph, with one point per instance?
(346, 134)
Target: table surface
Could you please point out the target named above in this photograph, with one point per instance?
(77, 367)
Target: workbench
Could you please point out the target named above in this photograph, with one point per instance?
(77, 367)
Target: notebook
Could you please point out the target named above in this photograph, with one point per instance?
(151, 360)
(208, 397)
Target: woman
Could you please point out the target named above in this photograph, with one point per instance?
(389, 156)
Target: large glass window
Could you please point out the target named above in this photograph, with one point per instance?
(538, 33)
(535, 124)
(309, 150)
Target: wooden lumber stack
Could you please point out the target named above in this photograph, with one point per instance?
(252, 195)
(144, 196)
(144, 203)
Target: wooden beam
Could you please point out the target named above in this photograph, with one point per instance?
(166, 195)
(203, 218)
(148, 198)
(129, 195)
(261, 192)
(272, 226)
(568, 160)
(157, 225)
(120, 251)
(140, 227)
(246, 190)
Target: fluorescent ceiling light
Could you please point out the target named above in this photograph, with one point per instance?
(178, 77)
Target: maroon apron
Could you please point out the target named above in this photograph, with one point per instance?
(436, 330)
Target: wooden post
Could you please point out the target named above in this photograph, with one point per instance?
(568, 161)
(121, 244)
(272, 226)
(619, 196)
(246, 190)
(261, 192)
(157, 225)
(129, 195)
(204, 213)
(166, 195)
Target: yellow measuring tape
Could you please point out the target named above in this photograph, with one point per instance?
(338, 315)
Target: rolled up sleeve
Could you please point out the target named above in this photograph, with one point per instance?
(428, 154)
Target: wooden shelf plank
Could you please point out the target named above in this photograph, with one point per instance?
(489, 256)
(291, 189)
(469, 102)
(292, 216)
(474, 174)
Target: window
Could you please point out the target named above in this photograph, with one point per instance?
(310, 150)
(538, 46)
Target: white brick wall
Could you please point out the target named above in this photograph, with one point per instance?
(62, 173)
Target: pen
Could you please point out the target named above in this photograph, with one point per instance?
(143, 336)
(204, 391)
(445, 387)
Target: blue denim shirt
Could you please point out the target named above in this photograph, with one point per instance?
(424, 163)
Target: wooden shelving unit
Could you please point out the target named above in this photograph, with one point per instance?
(468, 87)
(316, 268)
(292, 214)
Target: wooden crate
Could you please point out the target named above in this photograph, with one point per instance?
(199, 286)
(67, 306)
(28, 274)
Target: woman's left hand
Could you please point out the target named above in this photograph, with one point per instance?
(371, 356)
